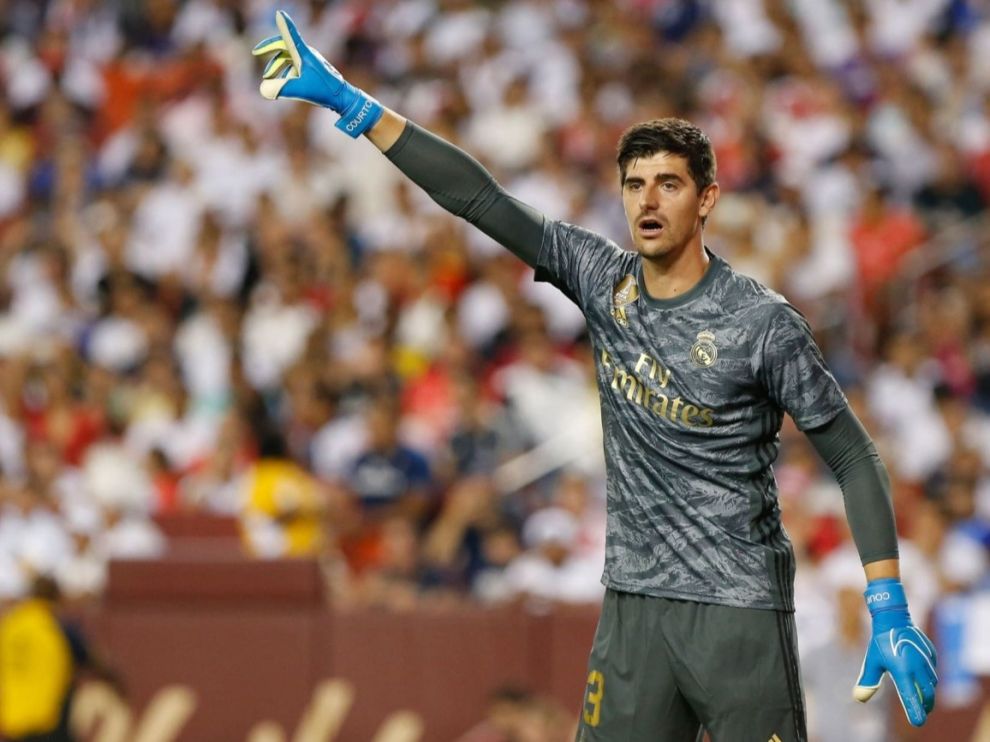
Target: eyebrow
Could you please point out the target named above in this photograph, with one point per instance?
(659, 177)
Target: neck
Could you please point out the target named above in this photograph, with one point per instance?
(669, 276)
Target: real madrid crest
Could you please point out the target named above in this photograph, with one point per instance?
(625, 292)
(703, 352)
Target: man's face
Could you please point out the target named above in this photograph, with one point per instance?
(662, 204)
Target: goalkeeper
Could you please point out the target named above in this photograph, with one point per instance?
(696, 367)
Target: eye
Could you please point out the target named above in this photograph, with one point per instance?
(670, 186)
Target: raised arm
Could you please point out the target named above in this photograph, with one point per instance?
(450, 176)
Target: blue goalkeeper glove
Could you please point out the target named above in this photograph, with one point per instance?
(299, 72)
(900, 648)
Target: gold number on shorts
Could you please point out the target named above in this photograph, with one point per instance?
(593, 706)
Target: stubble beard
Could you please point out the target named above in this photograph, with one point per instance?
(667, 248)
(655, 249)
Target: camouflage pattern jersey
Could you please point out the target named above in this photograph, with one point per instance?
(693, 392)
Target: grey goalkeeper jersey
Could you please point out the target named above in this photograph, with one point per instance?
(693, 393)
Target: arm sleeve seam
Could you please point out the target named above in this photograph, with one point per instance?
(878, 557)
(400, 143)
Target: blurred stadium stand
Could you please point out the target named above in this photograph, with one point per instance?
(231, 337)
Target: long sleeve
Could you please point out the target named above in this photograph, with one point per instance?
(459, 183)
(852, 456)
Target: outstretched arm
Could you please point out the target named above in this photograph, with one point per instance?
(451, 177)
(459, 183)
(387, 131)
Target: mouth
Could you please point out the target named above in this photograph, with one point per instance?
(649, 227)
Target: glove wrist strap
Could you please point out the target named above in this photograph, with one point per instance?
(363, 113)
(888, 604)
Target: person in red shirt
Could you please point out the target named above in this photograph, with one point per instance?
(881, 235)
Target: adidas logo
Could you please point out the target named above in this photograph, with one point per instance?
(775, 738)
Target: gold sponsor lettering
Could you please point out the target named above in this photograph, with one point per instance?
(688, 414)
(621, 378)
(657, 370)
(643, 361)
(647, 396)
(636, 388)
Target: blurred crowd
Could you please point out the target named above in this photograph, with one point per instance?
(219, 305)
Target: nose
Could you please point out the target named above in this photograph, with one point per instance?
(648, 199)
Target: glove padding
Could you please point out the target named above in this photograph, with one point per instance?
(900, 648)
(299, 72)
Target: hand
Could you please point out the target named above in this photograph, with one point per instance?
(299, 72)
(900, 648)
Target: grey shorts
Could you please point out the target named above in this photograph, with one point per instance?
(665, 670)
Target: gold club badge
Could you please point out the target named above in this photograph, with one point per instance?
(625, 292)
(703, 352)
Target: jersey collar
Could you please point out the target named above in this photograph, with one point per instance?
(715, 267)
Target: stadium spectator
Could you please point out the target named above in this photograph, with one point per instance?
(283, 507)
(41, 657)
(881, 236)
(835, 717)
(390, 476)
(553, 568)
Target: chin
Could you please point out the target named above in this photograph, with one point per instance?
(652, 249)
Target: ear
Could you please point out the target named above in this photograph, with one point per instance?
(709, 197)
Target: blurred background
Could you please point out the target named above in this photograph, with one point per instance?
(306, 455)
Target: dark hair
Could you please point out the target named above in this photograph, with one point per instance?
(676, 136)
(44, 587)
(271, 442)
